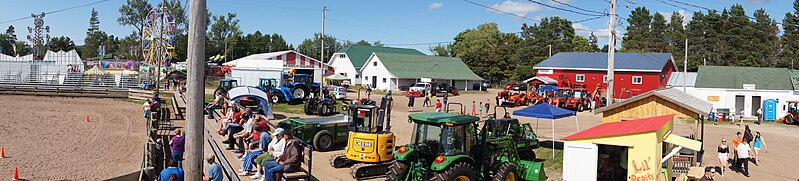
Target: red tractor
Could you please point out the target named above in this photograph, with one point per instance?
(578, 100)
(560, 96)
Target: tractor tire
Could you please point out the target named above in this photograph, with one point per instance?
(506, 172)
(580, 108)
(344, 108)
(274, 98)
(789, 120)
(458, 172)
(309, 108)
(299, 92)
(323, 110)
(397, 171)
(323, 141)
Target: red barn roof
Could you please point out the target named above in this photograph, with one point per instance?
(623, 128)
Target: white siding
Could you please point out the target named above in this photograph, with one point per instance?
(727, 98)
(379, 71)
(250, 77)
(344, 65)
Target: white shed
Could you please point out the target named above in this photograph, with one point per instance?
(273, 65)
(349, 60)
(389, 71)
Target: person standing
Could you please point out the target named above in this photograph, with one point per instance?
(723, 151)
(743, 156)
(474, 109)
(146, 107)
(426, 100)
(411, 100)
(710, 172)
(480, 109)
(430, 95)
(446, 108)
(214, 171)
(759, 144)
(488, 105)
(173, 169)
(759, 115)
(735, 142)
(748, 134)
(438, 105)
(178, 146)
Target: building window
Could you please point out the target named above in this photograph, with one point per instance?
(384, 80)
(605, 78)
(357, 76)
(374, 63)
(342, 56)
(637, 79)
(367, 77)
(580, 78)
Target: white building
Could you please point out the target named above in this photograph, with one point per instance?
(389, 71)
(247, 70)
(349, 60)
(733, 88)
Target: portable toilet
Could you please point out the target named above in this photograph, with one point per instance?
(770, 110)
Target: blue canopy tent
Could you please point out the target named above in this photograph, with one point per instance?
(549, 88)
(547, 111)
(252, 92)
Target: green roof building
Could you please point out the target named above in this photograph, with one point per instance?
(390, 71)
(349, 60)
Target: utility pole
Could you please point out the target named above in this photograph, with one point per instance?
(550, 50)
(322, 56)
(704, 61)
(611, 51)
(196, 91)
(685, 68)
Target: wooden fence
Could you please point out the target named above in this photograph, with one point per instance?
(62, 90)
(140, 94)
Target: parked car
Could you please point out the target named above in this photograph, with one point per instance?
(421, 87)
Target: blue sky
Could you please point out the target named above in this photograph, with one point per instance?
(394, 23)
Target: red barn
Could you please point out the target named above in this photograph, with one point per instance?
(635, 73)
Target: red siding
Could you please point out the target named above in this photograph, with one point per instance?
(650, 80)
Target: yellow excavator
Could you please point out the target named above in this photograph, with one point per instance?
(370, 145)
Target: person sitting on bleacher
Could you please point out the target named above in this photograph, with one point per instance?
(232, 120)
(235, 132)
(263, 143)
(251, 141)
(288, 162)
(217, 103)
(274, 150)
(245, 133)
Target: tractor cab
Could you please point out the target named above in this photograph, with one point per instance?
(439, 135)
(225, 85)
(302, 78)
(363, 118)
(267, 84)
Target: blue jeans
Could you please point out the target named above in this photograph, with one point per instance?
(230, 125)
(249, 158)
(178, 156)
(270, 169)
(146, 114)
(210, 110)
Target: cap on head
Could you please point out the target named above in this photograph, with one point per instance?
(278, 131)
(210, 157)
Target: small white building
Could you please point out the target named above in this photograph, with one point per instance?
(349, 60)
(389, 71)
(248, 70)
(734, 88)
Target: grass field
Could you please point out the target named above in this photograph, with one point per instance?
(287, 108)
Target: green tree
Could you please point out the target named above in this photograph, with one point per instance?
(478, 49)
(11, 34)
(23, 48)
(657, 35)
(581, 44)
(738, 35)
(312, 47)
(134, 13)
(593, 41)
(61, 43)
(790, 37)
(765, 39)
(675, 38)
(93, 36)
(222, 34)
(441, 50)
(277, 43)
(638, 32)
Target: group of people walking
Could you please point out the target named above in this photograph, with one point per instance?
(746, 147)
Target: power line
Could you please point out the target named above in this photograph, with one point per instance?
(410, 44)
(505, 12)
(563, 9)
(56, 11)
(589, 19)
(575, 7)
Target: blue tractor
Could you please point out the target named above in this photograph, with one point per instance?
(225, 85)
(275, 92)
(301, 85)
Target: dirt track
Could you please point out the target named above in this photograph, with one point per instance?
(48, 138)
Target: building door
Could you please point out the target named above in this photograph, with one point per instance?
(374, 82)
(739, 104)
(756, 104)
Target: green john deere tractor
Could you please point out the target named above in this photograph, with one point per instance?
(449, 147)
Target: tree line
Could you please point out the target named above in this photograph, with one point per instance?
(730, 37)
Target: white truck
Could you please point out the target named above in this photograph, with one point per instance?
(421, 87)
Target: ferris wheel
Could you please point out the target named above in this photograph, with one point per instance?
(159, 35)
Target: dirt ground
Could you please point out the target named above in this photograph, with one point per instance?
(48, 138)
(777, 164)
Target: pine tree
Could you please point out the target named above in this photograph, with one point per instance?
(696, 34)
(790, 37)
(737, 37)
(765, 39)
(675, 38)
(94, 37)
(637, 36)
(657, 34)
(593, 41)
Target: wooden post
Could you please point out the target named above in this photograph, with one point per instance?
(195, 91)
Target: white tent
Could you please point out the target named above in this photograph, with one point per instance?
(249, 71)
(263, 100)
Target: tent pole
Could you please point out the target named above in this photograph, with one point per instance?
(577, 122)
(553, 138)
(536, 125)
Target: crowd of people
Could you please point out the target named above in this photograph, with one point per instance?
(746, 147)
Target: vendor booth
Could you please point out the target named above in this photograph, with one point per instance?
(628, 150)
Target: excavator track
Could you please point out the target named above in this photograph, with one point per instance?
(369, 170)
(339, 160)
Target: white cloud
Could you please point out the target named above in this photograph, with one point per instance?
(519, 8)
(757, 1)
(435, 6)
(686, 17)
(780, 27)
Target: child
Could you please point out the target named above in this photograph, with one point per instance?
(480, 109)
(474, 111)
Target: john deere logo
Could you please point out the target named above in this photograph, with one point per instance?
(364, 144)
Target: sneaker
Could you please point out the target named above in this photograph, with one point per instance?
(241, 170)
(244, 173)
(256, 176)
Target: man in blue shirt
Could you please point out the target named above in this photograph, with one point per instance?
(214, 171)
(171, 170)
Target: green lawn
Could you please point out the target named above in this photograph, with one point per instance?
(286, 108)
(550, 165)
